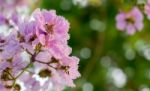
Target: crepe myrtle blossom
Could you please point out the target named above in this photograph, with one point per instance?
(37, 48)
(147, 9)
(130, 21)
(51, 27)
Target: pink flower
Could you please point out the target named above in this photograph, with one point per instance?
(147, 9)
(131, 21)
(52, 32)
(62, 71)
(51, 27)
(71, 72)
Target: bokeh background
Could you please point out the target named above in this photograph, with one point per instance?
(110, 60)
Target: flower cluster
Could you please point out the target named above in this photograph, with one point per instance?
(132, 20)
(36, 48)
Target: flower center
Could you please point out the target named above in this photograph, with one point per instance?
(130, 20)
(49, 28)
(45, 73)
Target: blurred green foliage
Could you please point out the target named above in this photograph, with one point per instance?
(110, 60)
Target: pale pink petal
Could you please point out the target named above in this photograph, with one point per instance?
(42, 39)
(120, 17)
(121, 25)
(139, 25)
(137, 14)
(130, 29)
(44, 56)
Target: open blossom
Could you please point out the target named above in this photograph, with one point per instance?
(131, 21)
(43, 42)
(52, 32)
(51, 26)
(147, 9)
(64, 74)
